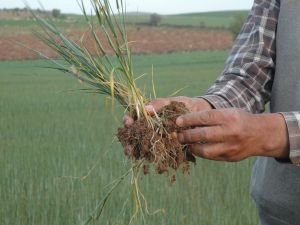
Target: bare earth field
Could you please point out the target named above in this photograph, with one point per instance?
(9, 15)
(144, 40)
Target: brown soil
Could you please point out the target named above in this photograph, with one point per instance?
(143, 40)
(158, 145)
(14, 15)
(21, 14)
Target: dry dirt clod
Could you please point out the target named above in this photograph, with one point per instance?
(158, 146)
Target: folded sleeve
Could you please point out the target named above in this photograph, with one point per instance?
(292, 120)
(247, 78)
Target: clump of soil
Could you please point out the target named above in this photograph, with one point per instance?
(158, 144)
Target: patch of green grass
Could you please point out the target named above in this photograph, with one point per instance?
(221, 19)
(50, 137)
(204, 20)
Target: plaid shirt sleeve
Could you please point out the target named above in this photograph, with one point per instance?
(246, 81)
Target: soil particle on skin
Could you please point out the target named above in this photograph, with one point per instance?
(157, 144)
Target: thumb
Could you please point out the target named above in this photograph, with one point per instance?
(156, 105)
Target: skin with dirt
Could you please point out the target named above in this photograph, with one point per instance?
(158, 144)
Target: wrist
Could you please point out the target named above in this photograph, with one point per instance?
(275, 136)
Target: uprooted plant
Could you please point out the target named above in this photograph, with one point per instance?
(150, 140)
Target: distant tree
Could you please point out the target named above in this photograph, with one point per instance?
(16, 11)
(202, 25)
(155, 19)
(236, 25)
(56, 13)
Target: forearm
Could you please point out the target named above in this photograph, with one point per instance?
(247, 78)
(274, 136)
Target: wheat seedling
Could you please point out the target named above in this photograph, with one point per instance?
(110, 72)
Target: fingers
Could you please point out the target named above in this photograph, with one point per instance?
(201, 118)
(157, 104)
(202, 134)
(217, 152)
(128, 121)
(210, 151)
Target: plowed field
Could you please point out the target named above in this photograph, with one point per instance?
(143, 40)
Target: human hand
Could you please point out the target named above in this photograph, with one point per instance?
(233, 135)
(192, 104)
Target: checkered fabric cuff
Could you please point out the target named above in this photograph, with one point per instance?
(293, 125)
(216, 101)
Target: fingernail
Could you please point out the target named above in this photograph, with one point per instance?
(179, 122)
(126, 122)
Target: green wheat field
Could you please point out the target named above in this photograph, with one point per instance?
(58, 151)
